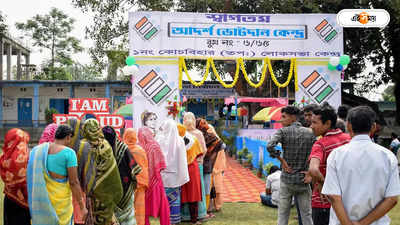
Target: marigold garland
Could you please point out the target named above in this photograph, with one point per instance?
(182, 65)
(264, 72)
(279, 85)
(296, 84)
(240, 66)
(235, 79)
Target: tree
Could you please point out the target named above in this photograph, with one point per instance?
(388, 94)
(3, 25)
(376, 46)
(52, 32)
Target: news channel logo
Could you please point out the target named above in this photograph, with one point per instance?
(363, 18)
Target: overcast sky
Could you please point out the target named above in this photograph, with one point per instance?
(22, 10)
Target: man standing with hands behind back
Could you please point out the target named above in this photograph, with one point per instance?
(296, 144)
(362, 179)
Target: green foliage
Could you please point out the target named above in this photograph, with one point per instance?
(49, 115)
(245, 151)
(3, 25)
(52, 32)
(53, 73)
(116, 60)
(249, 158)
(388, 94)
(267, 167)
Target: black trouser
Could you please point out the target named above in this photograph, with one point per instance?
(194, 211)
(15, 214)
(320, 216)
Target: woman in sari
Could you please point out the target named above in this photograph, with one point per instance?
(13, 163)
(128, 169)
(48, 133)
(213, 144)
(217, 175)
(75, 142)
(50, 166)
(189, 121)
(99, 175)
(176, 172)
(191, 191)
(130, 138)
(156, 199)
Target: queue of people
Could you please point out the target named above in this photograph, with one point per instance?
(354, 181)
(82, 173)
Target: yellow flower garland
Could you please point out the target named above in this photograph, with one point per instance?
(279, 85)
(296, 84)
(182, 65)
(264, 72)
(240, 66)
(235, 79)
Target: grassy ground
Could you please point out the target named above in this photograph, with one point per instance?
(241, 214)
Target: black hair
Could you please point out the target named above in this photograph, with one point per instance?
(394, 135)
(273, 169)
(342, 111)
(110, 135)
(326, 112)
(291, 110)
(341, 125)
(310, 107)
(361, 119)
(63, 131)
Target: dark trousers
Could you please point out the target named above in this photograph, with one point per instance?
(15, 214)
(320, 216)
(194, 211)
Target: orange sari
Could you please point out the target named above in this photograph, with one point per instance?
(130, 139)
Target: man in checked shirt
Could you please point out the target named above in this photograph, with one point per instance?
(296, 143)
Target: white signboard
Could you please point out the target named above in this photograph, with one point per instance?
(234, 35)
(155, 86)
(317, 84)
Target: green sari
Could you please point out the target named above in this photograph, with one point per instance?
(99, 175)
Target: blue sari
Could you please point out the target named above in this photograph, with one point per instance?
(49, 199)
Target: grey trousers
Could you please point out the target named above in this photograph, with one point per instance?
(303, 195)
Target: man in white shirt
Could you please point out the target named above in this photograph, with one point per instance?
(395, 144)
(362, 180)
(271, 196)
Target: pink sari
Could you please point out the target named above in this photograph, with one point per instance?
(156, 200)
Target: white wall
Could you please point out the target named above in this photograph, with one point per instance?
(84, 92)
(11, 95)
(10, 101)
(46, 93)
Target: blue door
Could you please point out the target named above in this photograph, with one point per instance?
(61, 105)
(198, 109)
(25, 112)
